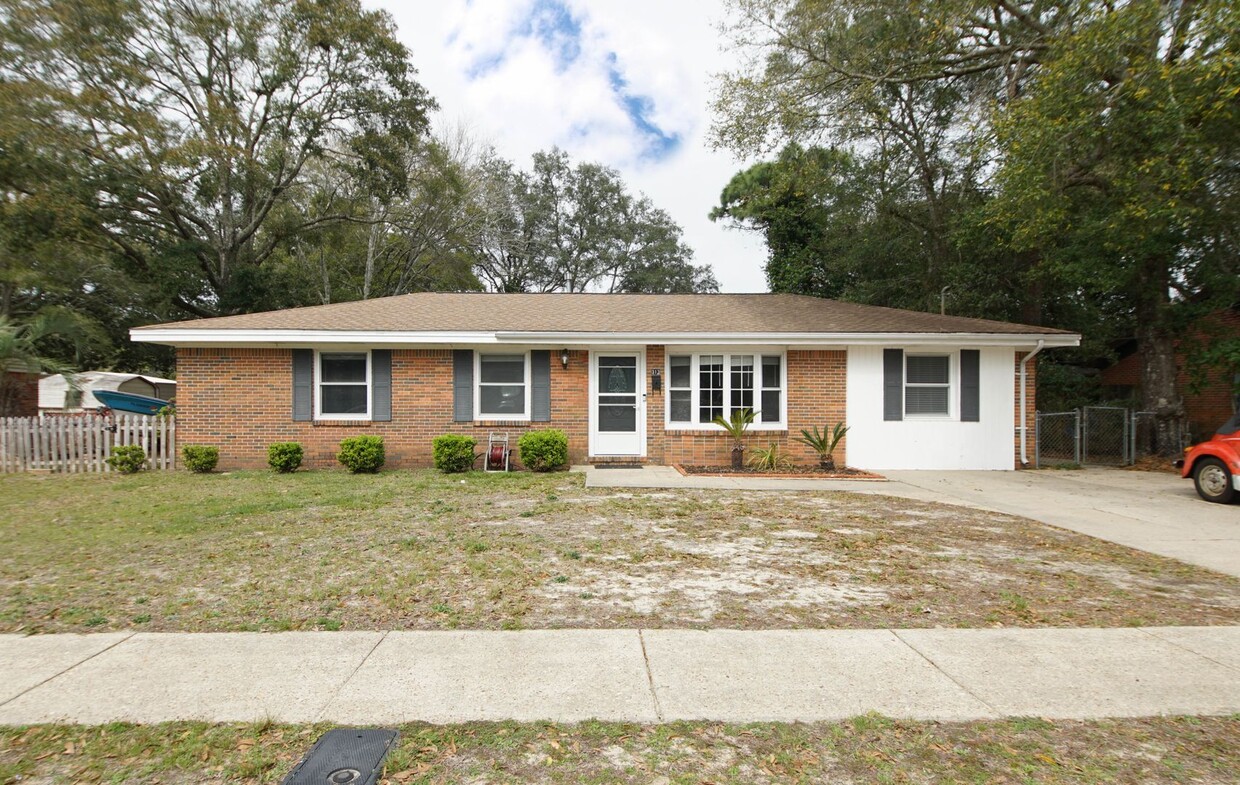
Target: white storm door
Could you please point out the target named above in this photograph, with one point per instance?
(617, 408)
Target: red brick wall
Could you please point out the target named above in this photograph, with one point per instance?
(1206, 409)
(1031, 407)
(816, 380)
(241, 401)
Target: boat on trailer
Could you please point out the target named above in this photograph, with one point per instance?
(129, 402)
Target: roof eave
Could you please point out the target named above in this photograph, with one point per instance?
(191, 338)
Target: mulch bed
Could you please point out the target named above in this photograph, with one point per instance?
(793, 472)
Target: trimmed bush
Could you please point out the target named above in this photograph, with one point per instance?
(362, 454)
(454, 453)
(127, 458)
(284, 457)
(543, 451)
(200, 458)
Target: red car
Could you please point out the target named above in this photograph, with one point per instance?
(1215, 465)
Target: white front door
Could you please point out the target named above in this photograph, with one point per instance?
(617, 404)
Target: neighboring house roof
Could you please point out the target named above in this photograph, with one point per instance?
(461, 317)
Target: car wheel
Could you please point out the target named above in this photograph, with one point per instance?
(1213, 481)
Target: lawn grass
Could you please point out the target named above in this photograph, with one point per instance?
(329, 550)
(864, 749)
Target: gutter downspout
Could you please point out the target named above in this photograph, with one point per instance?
(1024, 416)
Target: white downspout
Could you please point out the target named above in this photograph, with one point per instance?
(1024, 417)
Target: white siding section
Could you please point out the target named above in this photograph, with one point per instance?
(931, 443)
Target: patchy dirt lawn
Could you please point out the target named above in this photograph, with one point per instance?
(418, 550)
(865, 749)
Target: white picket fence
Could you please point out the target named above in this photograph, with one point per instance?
(82, 443)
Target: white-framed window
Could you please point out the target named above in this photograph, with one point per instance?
(927, 385)
(502, 390)
(342, 386)
(705, 385)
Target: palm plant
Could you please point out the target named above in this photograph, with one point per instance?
(824, 443)
(736, 426)
(19, 346)
(770, 459)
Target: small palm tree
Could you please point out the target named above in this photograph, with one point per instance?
(824, 443)
(19, 346)
(736, 426)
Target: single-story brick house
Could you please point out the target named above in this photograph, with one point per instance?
(626, 376)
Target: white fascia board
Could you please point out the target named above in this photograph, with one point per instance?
(380, 338)
(302, 338)
(797, 339)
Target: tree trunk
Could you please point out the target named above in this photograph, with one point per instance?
(1156, 342)
(738, 457)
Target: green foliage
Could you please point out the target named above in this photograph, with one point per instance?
(576, 228)
(543, 451)
(195, 176)
(127, 458)
(285, 457)
(825, 441)
(737, 424)
(200, 458)
(769, 459)
(1061, 164)
(362, 454)
(454, 453)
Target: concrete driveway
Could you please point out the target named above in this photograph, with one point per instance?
(1150, 511)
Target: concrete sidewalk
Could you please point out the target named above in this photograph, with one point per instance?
(636, 675)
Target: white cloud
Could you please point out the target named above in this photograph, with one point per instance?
(525, 87)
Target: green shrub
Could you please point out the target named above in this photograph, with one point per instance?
(284, 456)
(362, 454)
(200, 458)
(127, 458)
(544, 450)
(454, 453)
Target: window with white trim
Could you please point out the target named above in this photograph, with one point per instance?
(343, 386)
(701, 387)
(503, 386)
(927, 385)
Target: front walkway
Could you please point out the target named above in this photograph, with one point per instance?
(633, 675)
(1150, 511)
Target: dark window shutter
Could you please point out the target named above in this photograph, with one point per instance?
(970, 385)
(540, 369)
(893, 384)
(463, 385)
(381, 385)
(303, 385)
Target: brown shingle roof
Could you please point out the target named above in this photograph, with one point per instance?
(594, 313)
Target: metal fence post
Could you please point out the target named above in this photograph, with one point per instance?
(1125, 455)
(1076, 431)
(1037, 439)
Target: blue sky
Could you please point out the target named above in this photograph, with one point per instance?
(625, 84)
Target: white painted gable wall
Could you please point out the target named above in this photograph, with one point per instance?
(931, 443)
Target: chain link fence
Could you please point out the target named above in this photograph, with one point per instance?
(1057, 438)
(1104, 436)
(1146, 437)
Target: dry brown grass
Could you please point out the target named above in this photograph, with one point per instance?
(863, 750)
(418, 550)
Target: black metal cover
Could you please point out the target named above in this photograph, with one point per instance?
(344, 756)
